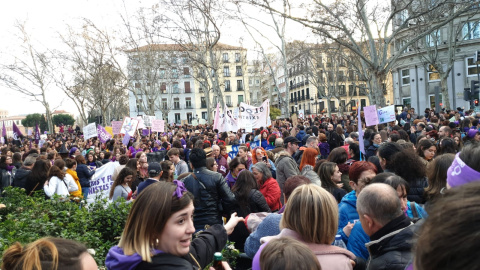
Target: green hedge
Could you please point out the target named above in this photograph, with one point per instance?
(26, 219)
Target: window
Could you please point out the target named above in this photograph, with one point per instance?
(433, 75)
(239, 85)
(139, 106)
(189, 118)
(228, 100)
(237, 57)
(226, 71)
(341, 76)
(225, 57)
(351, 75)
(238, 70)
(186, 72)
(250, 81)
(471, 30)
(204, 115)
(433, 39)
(175, 88)
(403, 16)
(174, 73)
(341, 90)
(471, 67)
(163, 88)
(351, 90)
(164, 103)
(203, 102)
(137, 85)
(176, 103)
(188, 103)
(177, 118)
(407, 102)
(332, 106)
(405, 76)
(363, 102)
(186, 85)
(240, 99)
(257, 82)
(227, 86)
(432, 100)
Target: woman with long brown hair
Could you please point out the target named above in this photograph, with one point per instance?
(121, 185)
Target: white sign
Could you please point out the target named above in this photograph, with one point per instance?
(147, 120)
(129, 126)
(301, 114)
(89, 131)
(386, 114)
(236, 113)
(101, 182)
(141, 124)
(229, 124)
(257, 116)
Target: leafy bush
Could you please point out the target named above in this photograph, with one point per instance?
(26, 219)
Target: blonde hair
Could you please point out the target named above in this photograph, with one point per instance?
(312, 212)
(148, 216)
(45, 253)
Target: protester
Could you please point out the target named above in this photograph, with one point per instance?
(221, 161)
(235, 167)
(285, 163)
(57, 183)
(84, 175)
(180, 165)
(168, 171)
(158, 233)
(154, 173)
(212, 164)
(71, 165)
(121, 185)
(22, 173)
(37, 178)
(48, 253)
(309, 157)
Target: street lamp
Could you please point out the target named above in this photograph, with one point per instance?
(314, 101)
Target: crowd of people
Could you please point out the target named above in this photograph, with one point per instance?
(290, 196)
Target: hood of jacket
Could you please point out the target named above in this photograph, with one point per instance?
(117, 260)
(281, 155)
(22, 173)
(350, 199)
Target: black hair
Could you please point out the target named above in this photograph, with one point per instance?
(198, 158)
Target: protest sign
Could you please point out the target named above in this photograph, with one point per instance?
(109, 130)
(301, 114)
(229, 124)
(386, 114)
(236, 112)
(103, 135)
(101, 182)
(147, 120)
(141, 124)
(218, 118)
(89, 131)
(129, 126)
(146, 132)
(371, 115)
(361, 143)
(158, 125)
(258, 116)
(116, 127)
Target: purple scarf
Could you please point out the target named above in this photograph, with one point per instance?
(459, 173)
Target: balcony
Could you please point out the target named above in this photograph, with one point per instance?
(189, 107)
(307, 112)
(226, 74)
(239, 88)
(228, 89)
(203, 106)
(239, 74)
(237, 60)
(225, 60)
(177, 107)
(229, 104)
(308, 96)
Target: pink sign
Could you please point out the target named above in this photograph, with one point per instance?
(116, 127)
(158, 125)
(371, 116)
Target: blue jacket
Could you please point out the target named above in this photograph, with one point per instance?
(268, 227)
(84, 175)
(300, 136)
(264, 144)
(347, 212)
(358, 238)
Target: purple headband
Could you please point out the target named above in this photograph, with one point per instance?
(459, 173)
(180, 189)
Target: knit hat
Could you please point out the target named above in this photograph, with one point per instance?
(460, 173)
(472, 132)
(72, 151)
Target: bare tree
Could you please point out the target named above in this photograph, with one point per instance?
(30, 75)
(364, 28)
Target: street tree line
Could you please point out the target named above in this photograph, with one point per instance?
(90, 66)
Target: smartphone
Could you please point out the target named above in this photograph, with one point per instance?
(264, 159)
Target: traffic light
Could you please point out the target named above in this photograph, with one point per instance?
(467, 95)
(475, 89)
(476, 102)
(476, 57)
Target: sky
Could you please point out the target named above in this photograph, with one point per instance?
(44, 19)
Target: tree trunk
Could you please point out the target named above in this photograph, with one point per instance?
(444, 91)
(376, 90)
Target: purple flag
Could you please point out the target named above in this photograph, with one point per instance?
(4, 131)
(361, 143)
(17, 135)
(126, 139)
(145, 132)
(37, 133)
(103, 135)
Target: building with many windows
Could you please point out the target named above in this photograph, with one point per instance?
(417, 81)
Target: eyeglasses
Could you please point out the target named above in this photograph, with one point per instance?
(215, 164)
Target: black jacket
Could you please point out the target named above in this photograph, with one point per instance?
(212, 197)
(20, 179)
(84, 175)
(257, 203)
(393, 251)
(334, 140)
(201, 253)
(417, 190)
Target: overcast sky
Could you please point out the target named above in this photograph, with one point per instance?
(46, 18)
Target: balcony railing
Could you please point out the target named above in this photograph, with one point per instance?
(225, 60)
(239, 88)
(204, 106)
(188, 107)
(228, 89)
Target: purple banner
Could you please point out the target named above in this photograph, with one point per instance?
(37, 133)
(16, 132)
(103, 135)
(4, 131)
(145, 132)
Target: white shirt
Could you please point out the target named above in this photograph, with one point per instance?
(60, 187)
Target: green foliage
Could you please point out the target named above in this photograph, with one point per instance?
(65, 119)
(26, 219)
(31, 119)
(274, 112)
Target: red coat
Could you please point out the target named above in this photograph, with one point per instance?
(271, 191)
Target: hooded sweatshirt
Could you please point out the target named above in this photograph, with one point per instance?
(117, 260)
(347, 209)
